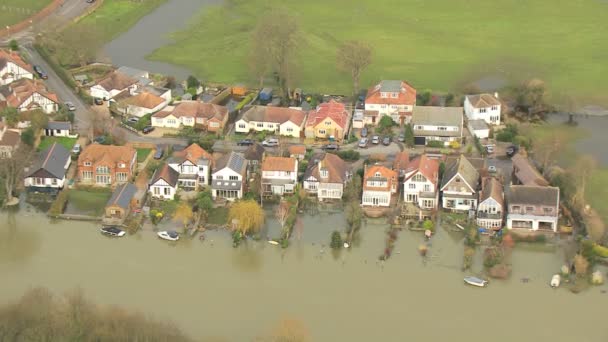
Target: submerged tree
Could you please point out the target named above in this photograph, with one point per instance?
(11, 170)
(183, 213)
(582, 170)
(353, 57)
(246, 216)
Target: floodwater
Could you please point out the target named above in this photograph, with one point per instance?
(213, 290)
(594, 141)
(151, 33)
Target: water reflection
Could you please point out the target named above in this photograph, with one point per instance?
(17, 244)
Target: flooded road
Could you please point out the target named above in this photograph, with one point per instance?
(151, 33)
(211, 289)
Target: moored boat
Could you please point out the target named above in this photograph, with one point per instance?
(476, 281)
(556, 280)
(272, 242)
(170, 235)
(112, 231)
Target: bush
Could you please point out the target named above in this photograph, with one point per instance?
(336, 240)
(435, 144)
(28, 136)
(507, 134)
(600, 251)
(428, 225)
(13, 45)
(244, 102)
(349, 155)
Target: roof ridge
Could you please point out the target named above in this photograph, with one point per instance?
(124, 186)
(52, 148)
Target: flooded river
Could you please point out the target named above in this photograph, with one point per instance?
(211, 289)
(594, 140)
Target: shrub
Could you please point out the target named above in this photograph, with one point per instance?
(28, 136)
(508, 133)
(455, 145)
(13, 45)
(600, 250)
(428, 225)
(491, 257)
(435, 144)
(244, 102)
(336, 240)
(349, 155)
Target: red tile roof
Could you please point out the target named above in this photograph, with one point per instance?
(24, 88)
(385, 172)
(428, 167)
(406, 95)
(297, 149)
(9, 56)
(274, 114)
(117, 81)
(193, 153)
(279, 164)
(145, 100)
(402, 159)
(333, 110)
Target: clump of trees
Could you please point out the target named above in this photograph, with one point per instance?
(245, 217)
(75, 46)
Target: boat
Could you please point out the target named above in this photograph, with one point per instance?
(112, 231)
(346, 245)
(476, 281)
(555, 280)
(272, 242)
(170, 235)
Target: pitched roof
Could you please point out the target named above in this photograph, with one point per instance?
(492, 188)
(478, 124)
(196, 109)
(51, 162)
(61, 125)
(333, 110)
(167, 174)
(406, 93)
(336, 167)
(385, 174)
(297, 149)
(533, 195)
(122, 195)
(9, 56)
(465, 169)
(17, 92)
(273, 114)
(525, 172)
(428, 167)
(117, 81)
(10, 138)
(145, 100)
(483, 100)
(234, 161)
(402, 159)
(110, 153)
(132, 72)
(255, 152)
(437, 116)
(279, 164)
(193, 153)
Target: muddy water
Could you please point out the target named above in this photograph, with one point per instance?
(594, 141)
(212, 289)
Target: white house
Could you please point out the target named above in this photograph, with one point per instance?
(484, 107)
(26, 95)
(57, 129)
(326, 176)
(394, 98)
(114, 84)
(432, 123)
(279, 175)
(532, 207)
(229, 177)
(209, 116)
(491, 204)
(479, 128)
(193, 165)
(420, 182)
(13, 68)
(48, 172)
(379, 184)
(459, 186)
(163, 184)
(141, 104)
(284, 121)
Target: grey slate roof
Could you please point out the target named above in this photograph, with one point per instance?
(122, 196)
(234, 161)
(226, 185)
(483, 100)
(390, 86)
(437, 116)
(51, 163)
(533, 195)
(62, 125)
(478, 124)
(132, 72)
(465, 169)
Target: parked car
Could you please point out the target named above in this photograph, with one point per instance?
(363, 142)
(100, 139)
(492, 169)
(113, 231)
(272, 142)
(245, 142)
(375, 140)
(98, 101)
(70, 106)
(386, 141)
(364, 132)
(147, 129)
(401, 137)
(132, 120)
(90, 1)
(511, 150)
(330, 147)
(76, 149)
(159, 153)
(170, 235)
(40, 72)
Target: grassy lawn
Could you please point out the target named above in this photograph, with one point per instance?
(597, 192)
(14, 11)
(142, 154)
(218, 216)
(68, 143)
(117, 16)
(433, 44)
(88, 202)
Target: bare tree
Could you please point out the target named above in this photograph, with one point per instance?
(282, 213)
(11, 170)
(76, 45)
(548, 148)
(275, 40)
(353, 57)
(582, 170)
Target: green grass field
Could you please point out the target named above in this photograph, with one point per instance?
(88, 202)
(68, 143)
(142, 154)
(117, 16)
(14, 11)
(439, 44)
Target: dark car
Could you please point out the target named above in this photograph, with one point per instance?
(159, 152)
(245, 142)
(364, 132)
(330, 147)
(40, 72)
(147, 129)
(511, 150)
(386, 141)
(98, 101)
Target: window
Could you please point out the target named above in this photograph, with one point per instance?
(327, 123)
(529, 209)
(171, 121)
(214, 124)
(321, 131)
(383, 106)
(419, 178)
(412, 186)
(427, 188)
(122, 176)
(102, 170)
(289, 129)
(377, 174)
(482, 110)
(312, 185)
(269, 125)
(167, 191)
(54, 181)
(394, 95)
(324, 173)
(494, 107)
(242, 125)
(87, 164)
(384, 95)
(547, 210)
(156, 190)
(515, 208)
(260, 125)
(419, 127)
(39, 181)
(121, 165)
(219, 177)
(442, 128)
(101, 179)
(233, 178)
(87, 174)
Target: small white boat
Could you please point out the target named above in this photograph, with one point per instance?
(476, 281)
(170, 235)
(272, 242)
(556, 280)
(346, 245)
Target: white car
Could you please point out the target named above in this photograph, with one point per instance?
(170, 235)
(76, 149)
(70, 106)
(270, 142)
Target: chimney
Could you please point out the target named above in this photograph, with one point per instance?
(496, 95)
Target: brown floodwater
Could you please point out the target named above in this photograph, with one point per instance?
(212, 289)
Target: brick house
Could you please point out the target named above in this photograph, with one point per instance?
(394, 98)
(104, 165)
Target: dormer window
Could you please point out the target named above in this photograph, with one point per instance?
(121, 165)
(87, 164)
(394, 95)
(327, 123)
(383, 95)
(324, 173)
(377, 174)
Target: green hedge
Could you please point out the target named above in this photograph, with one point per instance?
(349, 155)
(435, 144)
(58, 206)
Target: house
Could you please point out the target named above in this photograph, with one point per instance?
(254, 155)
(193, 165)
(326, 176)
(401, 162)
(484, 107)
(284, 121)
(533, 207)
(420, 184)
(120, 204)
(26, 95)
(491, 204)
(379, 184)
(329, 120)
(141, 104)
(142, 76)
(47, 174)
(104, 165)
(279, 175)
(163, 184)
(12, 68)
(525, 173)
(479, 128)
(208, 116)
(437, 124)
(229, 177)
(358, 119)
(58, 129)
(459, 186)
(114, 84)
(390, 97)
(297, 151)
(9, 141)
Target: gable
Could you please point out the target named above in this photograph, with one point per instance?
(460, 183)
